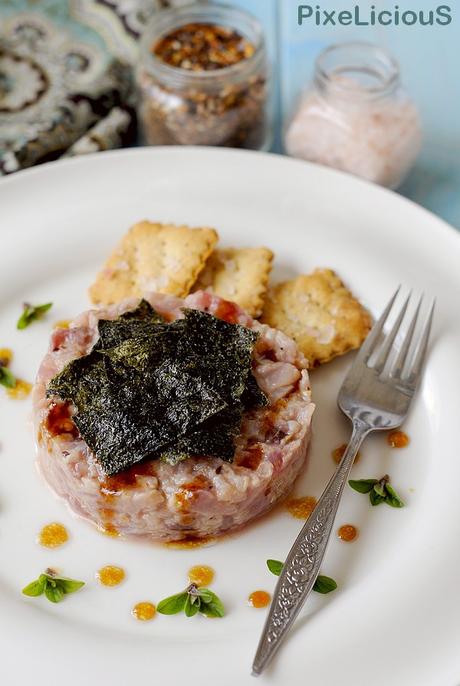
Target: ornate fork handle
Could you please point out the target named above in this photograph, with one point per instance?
(303, 563)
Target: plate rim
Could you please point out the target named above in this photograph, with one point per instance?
(135, 152)
(77, 160)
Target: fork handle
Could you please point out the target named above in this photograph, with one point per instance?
(303, 562)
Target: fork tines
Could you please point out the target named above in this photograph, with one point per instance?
(398, 349)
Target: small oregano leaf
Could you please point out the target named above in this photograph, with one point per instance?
(70, 585)
(54, 587)
(54, 593)
(275, 566)
(363, 485)
(173, 604)
(324, 584)
(192, 605)
(31, 313)
(7, 377)
(375, 498)
(35, 588)
(393, 498)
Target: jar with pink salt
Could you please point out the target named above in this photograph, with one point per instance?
(356, 116)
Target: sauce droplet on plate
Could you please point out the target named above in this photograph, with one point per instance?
(6, 355)
(110, 575)
(53, 535)
(144, 612)
(20, 391)
(109, 530)
(337, 454)
(259, 599)
(398, 439)
(187, 543)
(347, 533)
(301, 508)
(62, 324)
(201, 575)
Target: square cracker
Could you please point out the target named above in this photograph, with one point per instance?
(153, 257)
(319, 313)
(238, 274)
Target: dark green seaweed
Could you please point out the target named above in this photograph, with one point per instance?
(158, 390)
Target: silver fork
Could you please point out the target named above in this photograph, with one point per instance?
(375, 396)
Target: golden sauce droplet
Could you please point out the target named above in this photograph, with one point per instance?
(188, 543)
(347, 533)
(110, 575)
(144, 612)
(53, 535)
(109, 530)
(259, 599)
(106, 514)
(337, 454)
(301, 508)
(398, 439)
(62, 324)
(201, 575)
(20, 391)
(6, 355)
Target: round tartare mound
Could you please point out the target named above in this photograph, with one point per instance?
(200, 497)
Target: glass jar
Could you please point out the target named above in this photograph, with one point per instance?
(227, 106)
(356, 116)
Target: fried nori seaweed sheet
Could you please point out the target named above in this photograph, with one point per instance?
(152, 389)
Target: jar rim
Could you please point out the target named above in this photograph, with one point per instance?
(167, 20)
(385, 69)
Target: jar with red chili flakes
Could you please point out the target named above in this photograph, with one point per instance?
(203, 79)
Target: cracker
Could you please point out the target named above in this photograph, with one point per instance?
(238, 274)
(154, 257)
(319, 313)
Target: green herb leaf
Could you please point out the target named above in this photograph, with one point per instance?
(275, 566)
(363, 485)
(375, 498)
(54, 587)
(392, 497)
(35, 588)
(54, 593)
(192, 601)
(7, 377)
(206, 595)
(380, 489)
(192, 605)
(31, 313)
(324, 584)
(173, 604)
(70, 585)
(212, 607)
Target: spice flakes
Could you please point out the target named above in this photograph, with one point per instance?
(205, 102)
(203, 47)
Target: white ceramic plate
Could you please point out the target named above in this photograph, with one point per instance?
(395, 618)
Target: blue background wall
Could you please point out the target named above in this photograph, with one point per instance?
(430, 65)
